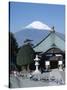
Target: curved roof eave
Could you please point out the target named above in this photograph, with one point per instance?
(42, 40)
(36, 48)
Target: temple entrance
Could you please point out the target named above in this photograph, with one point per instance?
(53, 55)
(53, 64)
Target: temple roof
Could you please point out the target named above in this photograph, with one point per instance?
(53, 39)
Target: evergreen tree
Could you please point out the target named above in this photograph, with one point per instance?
(25, 55)
(28, 41)
(13, 49)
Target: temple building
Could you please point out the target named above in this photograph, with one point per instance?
(51, 49)
(48, 45)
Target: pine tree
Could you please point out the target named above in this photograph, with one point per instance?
(13, 49)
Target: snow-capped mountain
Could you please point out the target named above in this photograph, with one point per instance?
(35, 31)
(38, 25)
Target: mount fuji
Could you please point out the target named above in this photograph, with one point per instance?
(38, 25)
(35, 31)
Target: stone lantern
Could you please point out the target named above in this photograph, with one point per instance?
(36, 65)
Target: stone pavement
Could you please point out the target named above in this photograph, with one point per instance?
(53, 78)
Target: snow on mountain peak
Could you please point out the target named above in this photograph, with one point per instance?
(38, 25)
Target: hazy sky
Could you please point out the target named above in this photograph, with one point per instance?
(22, 14)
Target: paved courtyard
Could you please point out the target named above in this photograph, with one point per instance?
(53, 78)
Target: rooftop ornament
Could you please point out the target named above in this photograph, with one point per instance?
(53, 30)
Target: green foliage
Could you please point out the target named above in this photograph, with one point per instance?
(13, 45)
(25, 55)
(28, 41)
(13, 48)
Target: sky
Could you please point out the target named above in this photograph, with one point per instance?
(21, 14)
